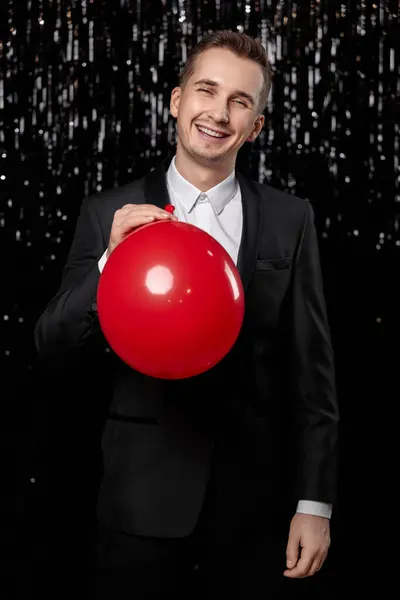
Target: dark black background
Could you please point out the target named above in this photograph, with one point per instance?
(84, 101)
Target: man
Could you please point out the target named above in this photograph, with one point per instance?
(201, 475)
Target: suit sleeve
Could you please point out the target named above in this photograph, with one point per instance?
(315, 398)
(70, 319)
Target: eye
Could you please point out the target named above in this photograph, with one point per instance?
(204, 90)
(240, 102)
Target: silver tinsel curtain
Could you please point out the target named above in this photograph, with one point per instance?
(84, 101)
(84, 106)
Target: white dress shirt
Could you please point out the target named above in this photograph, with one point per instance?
(218, 212)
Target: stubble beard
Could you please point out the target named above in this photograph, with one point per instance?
(206, 154)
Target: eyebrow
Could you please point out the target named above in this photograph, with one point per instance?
(241, 93)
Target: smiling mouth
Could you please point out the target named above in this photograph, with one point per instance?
(211, 134)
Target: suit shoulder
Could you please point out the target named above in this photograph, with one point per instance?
(114, 198)
(290, 212)
(286, 203)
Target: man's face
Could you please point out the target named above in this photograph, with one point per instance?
(218, 109)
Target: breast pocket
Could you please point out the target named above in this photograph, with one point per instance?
(266, 293)
(273, 264)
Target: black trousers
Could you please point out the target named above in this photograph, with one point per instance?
(219, 559)
(141, 568)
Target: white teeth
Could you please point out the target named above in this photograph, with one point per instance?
(210, 132)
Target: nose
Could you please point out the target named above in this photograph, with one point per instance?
(219, 113)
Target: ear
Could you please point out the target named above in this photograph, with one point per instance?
(258, 125)
(174, 103)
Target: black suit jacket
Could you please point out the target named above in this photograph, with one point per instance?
(265, 418)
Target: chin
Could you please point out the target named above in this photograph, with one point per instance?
(207, 155)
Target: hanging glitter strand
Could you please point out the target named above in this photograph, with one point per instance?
(84, 106)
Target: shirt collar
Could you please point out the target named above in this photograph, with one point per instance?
(219, 196)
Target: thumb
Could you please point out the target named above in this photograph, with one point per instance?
(292, 550)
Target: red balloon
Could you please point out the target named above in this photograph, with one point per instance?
(170, 300)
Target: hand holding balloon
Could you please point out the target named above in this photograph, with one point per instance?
(131, 216)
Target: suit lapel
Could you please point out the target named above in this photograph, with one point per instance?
(156, 192)
(252, 229)
(155, 185)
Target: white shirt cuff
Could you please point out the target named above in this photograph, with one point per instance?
(102, 261)
(310, 507)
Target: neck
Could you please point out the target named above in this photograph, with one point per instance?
(202, 176)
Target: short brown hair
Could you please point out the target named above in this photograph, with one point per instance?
(242, 45)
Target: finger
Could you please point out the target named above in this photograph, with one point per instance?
(133, 220)
(303, 566)
(155, 212)
(127, 207)
(134, 217)
(322, 559)
(316, 565)
(148, 209)
(292, 550)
